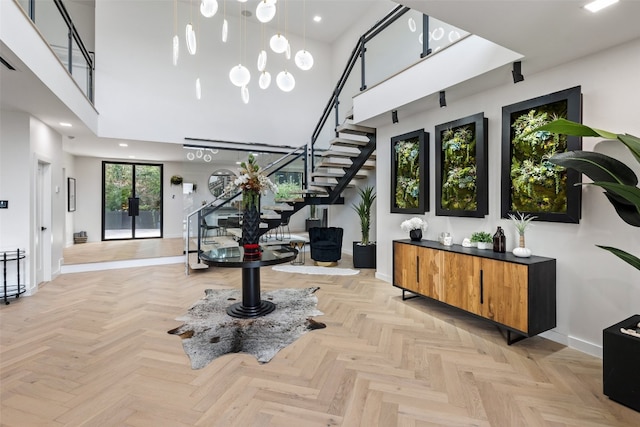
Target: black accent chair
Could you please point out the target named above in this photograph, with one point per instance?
(326, 244)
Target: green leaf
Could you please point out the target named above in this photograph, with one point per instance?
(597, 166)
(628, 213)
(633, 143)
(568, 127)
(627, 192)
(625, 256)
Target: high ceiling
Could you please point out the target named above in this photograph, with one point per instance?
(547, 33)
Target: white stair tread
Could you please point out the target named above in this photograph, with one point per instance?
(355, 129)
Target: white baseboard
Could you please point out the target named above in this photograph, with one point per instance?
(97, 266)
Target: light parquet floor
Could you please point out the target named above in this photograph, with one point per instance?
(119, 250)
(92, 349)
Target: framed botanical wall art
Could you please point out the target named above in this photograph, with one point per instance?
(530, 183)
(461, 167)
(409, 177)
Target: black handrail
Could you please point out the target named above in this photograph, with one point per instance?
(390, 18)
(358, 52)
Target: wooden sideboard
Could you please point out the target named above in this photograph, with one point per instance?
(516, 294)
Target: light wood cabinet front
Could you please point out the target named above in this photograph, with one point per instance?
(505, 293)
(405, 267)
(417, 269)
(461, 281)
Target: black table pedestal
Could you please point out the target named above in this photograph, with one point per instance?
(251, 305)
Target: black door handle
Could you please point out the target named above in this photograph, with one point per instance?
(134, 206)
(43, 228)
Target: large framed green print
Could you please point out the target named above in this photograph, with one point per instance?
(530, 183)
(461, 167)
(409, 177)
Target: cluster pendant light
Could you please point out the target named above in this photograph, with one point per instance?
(239, 75)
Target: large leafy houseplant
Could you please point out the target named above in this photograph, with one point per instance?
(617, 179)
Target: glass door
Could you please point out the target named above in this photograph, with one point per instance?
(132, 201)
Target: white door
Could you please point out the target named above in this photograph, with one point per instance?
(43, 222)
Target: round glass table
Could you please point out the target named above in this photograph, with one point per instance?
(251, 305)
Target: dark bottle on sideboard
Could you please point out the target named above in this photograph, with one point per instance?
(499, 241)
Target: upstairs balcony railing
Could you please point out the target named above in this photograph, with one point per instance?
(55, 24)
(397, 41)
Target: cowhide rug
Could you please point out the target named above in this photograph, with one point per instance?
(209, 332)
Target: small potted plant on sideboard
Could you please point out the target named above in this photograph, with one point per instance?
(483, 240)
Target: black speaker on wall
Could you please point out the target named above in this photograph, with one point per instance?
(517, 72)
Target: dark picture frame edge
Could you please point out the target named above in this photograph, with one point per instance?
(71, 194)
(573, 99)
(481, 128)
(422, 138)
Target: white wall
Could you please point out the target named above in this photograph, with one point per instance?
(141, 95)
(24, 142)
(594, 288)
(15, 184)
(46, 147)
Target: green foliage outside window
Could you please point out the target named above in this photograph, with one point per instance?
(459, 190)
(407, 160)
(537, 184)
(118, 179)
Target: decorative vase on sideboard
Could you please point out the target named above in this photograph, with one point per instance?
(416, 235)
(522, 251)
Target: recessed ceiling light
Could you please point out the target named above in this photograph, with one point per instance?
(123, 144)
(238, 163)
(132, 157)
(65, 124)
(317, 18)
(598, 5)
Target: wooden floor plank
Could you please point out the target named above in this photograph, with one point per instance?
(92, 349)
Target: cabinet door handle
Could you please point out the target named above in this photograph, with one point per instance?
(481, 287)
(418, 269)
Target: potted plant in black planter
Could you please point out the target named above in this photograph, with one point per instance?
(621, 350)
(364, 251)
(313, 220)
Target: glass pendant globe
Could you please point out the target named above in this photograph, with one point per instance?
(278, 43)
(198, 89)
(239, 75)
(265, 80)
(244, 92)
(191, 39)
(412, 25)
(262, 60)
(208, 8)
(437, 34)
(225, 30)
(304, 60)
(285, 81)
(265, 11)
(176, 49)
